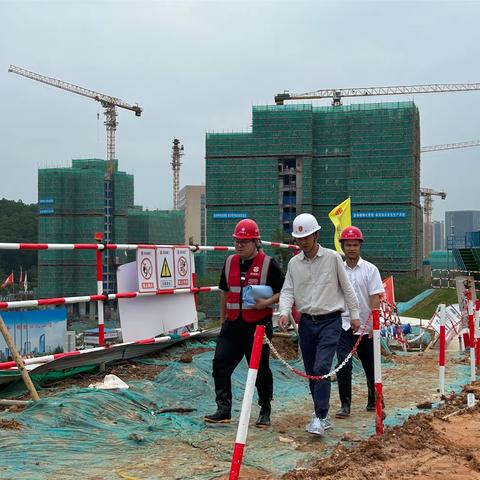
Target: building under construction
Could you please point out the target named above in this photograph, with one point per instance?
(300, 158)
(72, 205)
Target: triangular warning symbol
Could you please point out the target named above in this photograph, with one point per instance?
(165, 269)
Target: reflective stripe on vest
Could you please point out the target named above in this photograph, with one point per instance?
(256, 275)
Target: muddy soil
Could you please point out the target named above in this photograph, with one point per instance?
(443, 444)
(439, 444)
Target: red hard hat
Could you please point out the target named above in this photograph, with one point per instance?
(351, 233)
(246, 229)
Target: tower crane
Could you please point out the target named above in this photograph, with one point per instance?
(108, 102)
(450, 146)
(337, 94)
(427, 194)
(177, 153)
(110, 105)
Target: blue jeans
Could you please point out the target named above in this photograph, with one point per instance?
(318, 341)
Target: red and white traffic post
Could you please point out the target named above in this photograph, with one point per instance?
(441, 353)
(477, 332)
(247, 403)
(377, 361)
(101, 324)
(471, 328)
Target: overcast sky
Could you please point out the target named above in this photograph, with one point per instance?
(198, 66)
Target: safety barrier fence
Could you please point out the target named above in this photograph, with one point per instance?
(102, 296)
(473, 324)
(445, 278)
(99, 247)
(56, 356)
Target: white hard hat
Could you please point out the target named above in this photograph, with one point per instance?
(304, 225)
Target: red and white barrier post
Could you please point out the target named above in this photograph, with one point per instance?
(377, 361)
(247, 403)
(477, 332)
(101, 325)
(441, 353)
(471, 328)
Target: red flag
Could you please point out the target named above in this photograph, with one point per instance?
(9, 281)
(20, 280)
(389, 295)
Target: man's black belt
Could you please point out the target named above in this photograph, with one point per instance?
(326, 316)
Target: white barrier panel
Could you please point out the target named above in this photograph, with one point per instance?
(150, 316)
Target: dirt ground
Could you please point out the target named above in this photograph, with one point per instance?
(443, 443)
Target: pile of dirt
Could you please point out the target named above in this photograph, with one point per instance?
(10, 424)
(287, 347)
(442, 444)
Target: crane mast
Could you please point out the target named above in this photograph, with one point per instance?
(337, 94)
(177, 153)
(427, 194)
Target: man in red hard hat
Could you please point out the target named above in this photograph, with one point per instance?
(368, 286)
(248, 266)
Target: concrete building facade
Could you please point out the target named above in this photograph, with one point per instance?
(192, 203)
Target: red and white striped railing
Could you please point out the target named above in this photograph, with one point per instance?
(100, 297)
(125, 246)
(56, 356)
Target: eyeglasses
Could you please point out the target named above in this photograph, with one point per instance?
(241, 242)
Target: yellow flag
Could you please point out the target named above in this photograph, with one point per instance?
(341, 218)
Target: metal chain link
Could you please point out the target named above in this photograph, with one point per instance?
(318, 377)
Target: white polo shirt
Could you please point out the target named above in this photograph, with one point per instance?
(317, 286)
(366, 281)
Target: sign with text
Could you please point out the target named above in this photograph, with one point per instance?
(146, 270)
(165, 268)
(183, 271)
(379, 214)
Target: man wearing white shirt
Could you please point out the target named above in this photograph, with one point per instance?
(317, 283)
(367, 283)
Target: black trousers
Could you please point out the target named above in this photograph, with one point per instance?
(365, 354)
(234, 343)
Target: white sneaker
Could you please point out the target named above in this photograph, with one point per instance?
(309, 426)
(327, 423)
(319, 425)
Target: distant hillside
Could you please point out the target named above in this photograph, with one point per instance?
(18, 223)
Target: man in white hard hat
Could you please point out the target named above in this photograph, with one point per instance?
(317, 283)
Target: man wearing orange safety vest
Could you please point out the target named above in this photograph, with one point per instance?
(248, 266)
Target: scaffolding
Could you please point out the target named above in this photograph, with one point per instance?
(300, 158)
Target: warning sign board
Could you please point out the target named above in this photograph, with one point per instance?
(165, 268)
(183, 271)
(146, 270)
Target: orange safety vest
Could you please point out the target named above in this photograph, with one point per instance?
(256, 275)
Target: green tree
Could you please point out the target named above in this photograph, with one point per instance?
(18, 223)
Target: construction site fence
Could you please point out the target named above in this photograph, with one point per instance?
(446, 278)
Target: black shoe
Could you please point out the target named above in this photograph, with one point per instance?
(372, 406)
(218, 417)
(344, 411)
(264, 416)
